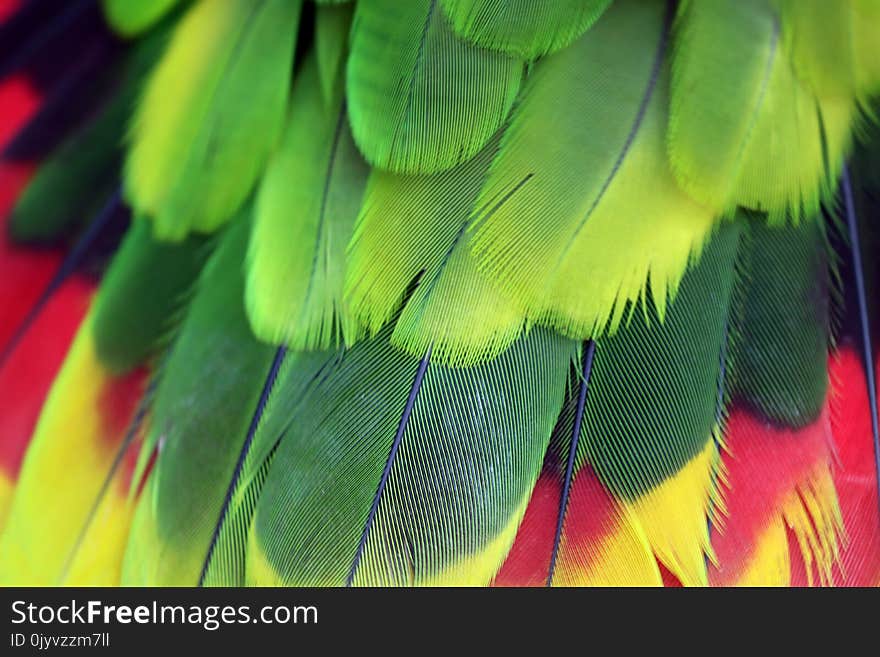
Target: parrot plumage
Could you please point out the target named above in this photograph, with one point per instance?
(439, 292)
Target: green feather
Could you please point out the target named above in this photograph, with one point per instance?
(457, 484)
(653, 399)
(142, 293)
(133, 17)
(866, 27)
(581, 167)
(420, 99)
(781, 367)
(414, 228)
(226, 564)
(743, 130)
(212, 112)
(523, 28)
(206, 396)
(332, 26)
(304, 217)
(829, 70)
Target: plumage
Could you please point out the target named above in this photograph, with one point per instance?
(74, 444)
(193, 162)
(454, 525)
(304, 218)
(443, 292)
(520, 28)
(194, 459)
(420, 99)
(735, 110)
(332, 28)
(440, 314)
(83, 170)
(545, 219)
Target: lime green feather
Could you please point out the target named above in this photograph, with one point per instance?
(420, 99)
(834, 46)
(470, 443)
(211, 113)
(132, 17)
(523, 28)
(818, 37)
(865, 28)
(205, 399)
(304, 217)
(142, 295)
(332, 26)
(414, 228)
(581, 167)
(743, 130)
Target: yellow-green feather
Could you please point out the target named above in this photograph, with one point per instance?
(743, 129)
(582, 167)
(523, 28)
(304, 218)
(414, 228)
(420, 99)
(211, 113)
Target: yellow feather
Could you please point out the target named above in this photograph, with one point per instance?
(769, 564)
(60, 479)
(622, 557)
(675, 517)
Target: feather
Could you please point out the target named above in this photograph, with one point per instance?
(777, 442)
(27, 375)
(634, 454)
(133, 18)
(833, 69)
(142, 294)
(24, 275)
(84, 420)
(290, 377)
(647, 426)
(548, 217)
(420, 473)
(421, 100)
(111, 212)
(865, 26)
(242, 463)
(603, 545)
(199, 419)
(415, 228)
(864, 318)
(193, 162)
(771, 470)
(104, 374)
(742, 128)
(520, 296)
(304, 217)
(781, 367)
(76, 179)
(855, 470)
(522, 28)
(332, 27)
